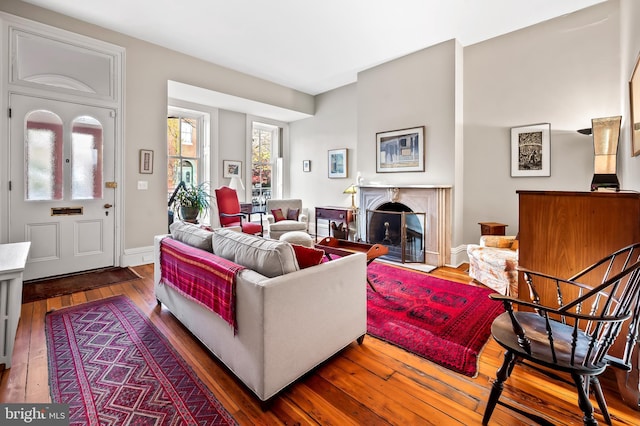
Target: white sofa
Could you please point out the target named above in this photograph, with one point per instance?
(287, 324)
(277, 229)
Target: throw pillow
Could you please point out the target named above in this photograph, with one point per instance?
(292, 214)
(514, 245)
(278, 215)
(307, 256)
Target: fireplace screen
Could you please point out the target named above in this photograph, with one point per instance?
(400, 229)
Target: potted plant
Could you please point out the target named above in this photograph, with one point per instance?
(192, 200)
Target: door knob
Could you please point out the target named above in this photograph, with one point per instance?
(108, 206)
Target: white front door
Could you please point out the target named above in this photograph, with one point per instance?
(62, 156)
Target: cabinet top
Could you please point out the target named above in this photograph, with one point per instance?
(633, 194)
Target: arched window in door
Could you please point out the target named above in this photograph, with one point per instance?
(43, 156)
(86, 158)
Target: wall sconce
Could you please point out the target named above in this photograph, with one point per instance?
(606, 133)
(351, 190)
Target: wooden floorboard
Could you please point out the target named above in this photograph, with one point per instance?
(374, 383)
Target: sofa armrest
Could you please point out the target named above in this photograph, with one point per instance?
(311, 314)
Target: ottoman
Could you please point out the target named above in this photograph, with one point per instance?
(297, 237)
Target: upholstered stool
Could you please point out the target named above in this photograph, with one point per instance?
(297, 237)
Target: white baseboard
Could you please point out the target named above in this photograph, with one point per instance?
(137, 256)
(459, 256)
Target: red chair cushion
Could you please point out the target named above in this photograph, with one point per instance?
(251, 228)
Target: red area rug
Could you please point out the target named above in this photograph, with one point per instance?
(113, 367)
(443, 321)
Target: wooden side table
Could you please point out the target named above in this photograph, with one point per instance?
(13, 258)
(492, 228)
(337, 214)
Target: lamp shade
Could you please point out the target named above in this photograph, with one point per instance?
(351, 190)
(238, 186)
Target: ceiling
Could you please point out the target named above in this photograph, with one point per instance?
(310, 46)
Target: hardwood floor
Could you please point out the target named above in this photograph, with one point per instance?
(372, 384)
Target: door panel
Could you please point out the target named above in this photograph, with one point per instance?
(62, 154)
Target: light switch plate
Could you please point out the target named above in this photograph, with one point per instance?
(143, 184)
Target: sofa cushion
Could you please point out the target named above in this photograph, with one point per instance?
(278, 215)
(191, 234)
(307, 256)
(270, 258)
(292, 214)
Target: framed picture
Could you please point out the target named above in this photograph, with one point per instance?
(306, 165)
(146, 161)
(530, 150)
(634, 97)
(338, 163)
(231, 168)
(400, 150)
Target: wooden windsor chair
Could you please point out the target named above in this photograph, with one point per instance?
(573, 336)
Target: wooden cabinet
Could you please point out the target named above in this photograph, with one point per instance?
(562, 233)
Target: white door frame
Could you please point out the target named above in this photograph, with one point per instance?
(116, 103)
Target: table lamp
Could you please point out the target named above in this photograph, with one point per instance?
(351, 190)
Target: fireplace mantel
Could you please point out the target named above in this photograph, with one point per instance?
(433, 200)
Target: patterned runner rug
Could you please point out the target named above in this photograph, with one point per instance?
(113, 367)
(443, 321)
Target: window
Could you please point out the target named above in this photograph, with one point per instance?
(265, 151)
(184, 139)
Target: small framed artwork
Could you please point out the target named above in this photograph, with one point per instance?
(338, 163)
(634, 97)
(231, 168)
(531, 150)
(400, 150)
(306, 165)
(146, 161)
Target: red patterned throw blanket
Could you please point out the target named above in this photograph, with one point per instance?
(201, 276)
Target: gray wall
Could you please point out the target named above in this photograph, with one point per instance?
(564, 72)
(148, 68)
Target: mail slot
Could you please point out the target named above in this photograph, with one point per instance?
(66, 211)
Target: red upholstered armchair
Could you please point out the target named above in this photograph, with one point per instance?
(230, 214)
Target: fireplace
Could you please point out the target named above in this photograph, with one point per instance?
(417, 218)
(399, 228)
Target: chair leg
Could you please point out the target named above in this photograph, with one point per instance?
(602, 403)
(583, 401)
(498, 385)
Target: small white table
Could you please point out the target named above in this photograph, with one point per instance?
(13, 258)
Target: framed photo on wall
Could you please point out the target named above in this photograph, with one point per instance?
(231, 168)
(531, 150)
(338, 162)
(400, 150)
(146, 161)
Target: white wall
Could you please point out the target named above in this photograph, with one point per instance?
(148, 69)
(564, 72)
(630, 53)
(415, 90)
(332, 127)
